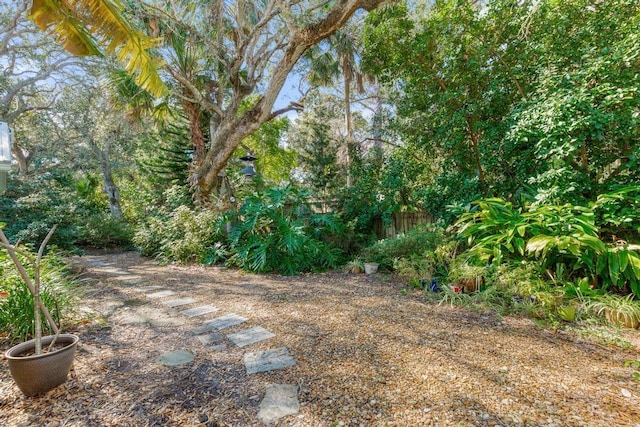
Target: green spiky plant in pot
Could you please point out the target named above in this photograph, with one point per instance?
(35, 369)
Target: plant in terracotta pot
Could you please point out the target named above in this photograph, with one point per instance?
(40, 364)
(617, 310)
(355, 266)
(466, 276)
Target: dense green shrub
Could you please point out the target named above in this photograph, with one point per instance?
(103, 230)
(178, 233)
(31, 206)
(417, 241)
(16, 302)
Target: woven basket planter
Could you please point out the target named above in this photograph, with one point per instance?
(37, 374)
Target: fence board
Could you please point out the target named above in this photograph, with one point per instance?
(401, 222)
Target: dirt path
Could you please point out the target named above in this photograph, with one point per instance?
(366, 355)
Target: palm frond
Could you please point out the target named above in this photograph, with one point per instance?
(81, 26)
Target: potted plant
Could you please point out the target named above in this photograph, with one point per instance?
(36, 369)
(355, 266)
(467, 277)
(617, 310)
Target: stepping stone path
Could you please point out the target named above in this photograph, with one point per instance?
(113, 270)
(178, 302)
(280, 400)
(199, 311)
(269, 360)
(211, 338)
(160, 294)
(226, 321)
(175, 358)
(128, 278)
(250, 336)
(149, 288)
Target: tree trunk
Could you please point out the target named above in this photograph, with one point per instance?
(229, 125)
(112, 192)
(195, 130)
(24, 157)
(348, 123)
(475, 146)
(108, 184)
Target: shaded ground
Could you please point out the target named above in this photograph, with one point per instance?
(366, 354)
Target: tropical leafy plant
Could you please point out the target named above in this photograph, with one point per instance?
(563, 239)
(277, 231)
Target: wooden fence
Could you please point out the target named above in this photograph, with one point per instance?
(401, 222)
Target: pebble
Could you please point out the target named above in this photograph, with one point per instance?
(625, 392)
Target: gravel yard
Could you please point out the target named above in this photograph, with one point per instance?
(366, 355)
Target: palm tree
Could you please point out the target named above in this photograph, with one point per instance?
(84, 26)
(340, 60)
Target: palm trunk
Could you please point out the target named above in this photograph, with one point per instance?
(348, 124)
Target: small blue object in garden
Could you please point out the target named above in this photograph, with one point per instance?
(431, 286)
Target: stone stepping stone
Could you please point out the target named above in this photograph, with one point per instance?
(226, 321)
(199, 311)
(279, 401)
(269, 360)
(202, 329)
(128, 278)
(211, 338)
(133, 319)
(113, 270)
(163, 320)
(175, 358)
(149, 288)
(98, 263)
(154, 317)
(160, 294)
(178, 302)
(250, 336)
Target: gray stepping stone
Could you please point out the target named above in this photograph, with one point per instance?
(279, 401)
(219, 347)
(269, 360)
(113, 270)
(154, 317)
(178, 302)
(211, 338)
(226, 321)
(149, 288)
(250, 336)
(133, 319)
(128, 278)
(199, 311)
(175, 358)
(161, 320)
(202, 329)
(160, 294)
(98, 263)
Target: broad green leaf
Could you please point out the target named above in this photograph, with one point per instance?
(614, 267)
(624, 259)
